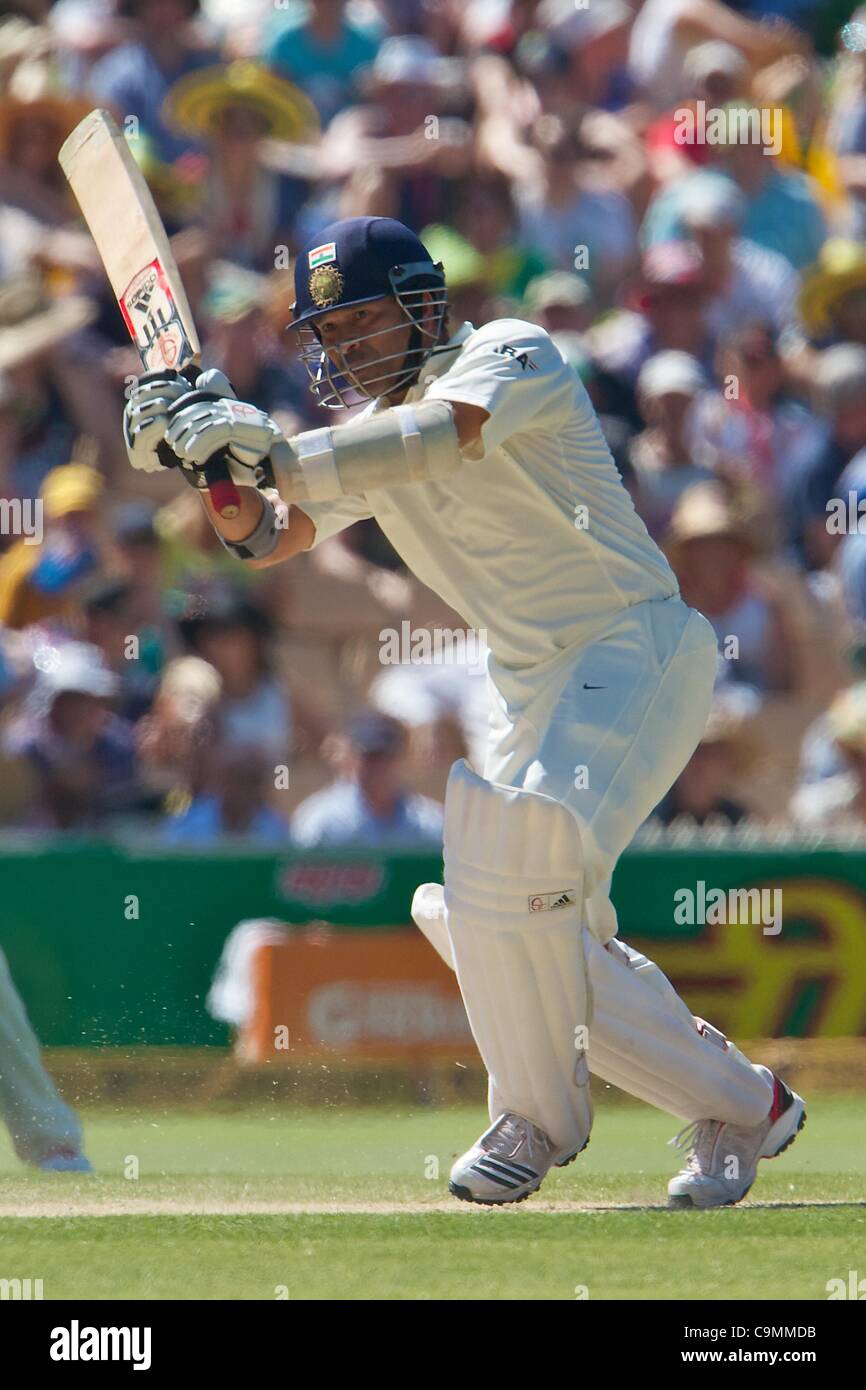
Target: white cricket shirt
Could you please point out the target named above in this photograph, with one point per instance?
(538, 542)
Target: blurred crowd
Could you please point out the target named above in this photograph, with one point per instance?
(674, 189)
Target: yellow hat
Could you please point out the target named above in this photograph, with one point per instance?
(73, 487)
(841, 266)
(195, 104)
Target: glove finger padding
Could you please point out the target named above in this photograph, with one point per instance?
(145, 417)
(201, 426)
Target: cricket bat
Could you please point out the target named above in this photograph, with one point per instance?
(132, 243)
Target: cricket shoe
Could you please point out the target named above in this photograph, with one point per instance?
(723, 1162)
(509, 1161)
(65, 1161)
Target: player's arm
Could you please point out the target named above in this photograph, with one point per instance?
(408, 443)
(300, 531)
(296, 535)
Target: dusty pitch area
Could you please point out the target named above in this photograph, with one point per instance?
(65, 1207)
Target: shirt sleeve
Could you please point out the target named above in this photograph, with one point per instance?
(331, 517)
(515, 372)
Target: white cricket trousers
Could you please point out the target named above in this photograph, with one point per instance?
(606, 731)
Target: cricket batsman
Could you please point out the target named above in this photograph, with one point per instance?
(481, 458)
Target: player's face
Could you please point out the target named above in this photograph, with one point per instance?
(359, 336)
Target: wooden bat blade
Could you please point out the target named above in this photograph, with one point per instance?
(125, 225)
(118, 207)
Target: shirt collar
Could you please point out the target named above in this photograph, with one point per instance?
(440, 359)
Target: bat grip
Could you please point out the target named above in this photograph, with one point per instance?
(223, 493)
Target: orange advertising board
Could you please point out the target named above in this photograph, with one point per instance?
(382, 994)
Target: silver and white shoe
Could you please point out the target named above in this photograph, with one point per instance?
(509, 1161)
(723, 1162)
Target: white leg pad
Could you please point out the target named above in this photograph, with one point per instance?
(513, 911)
(645, 1040)
(643, 1037)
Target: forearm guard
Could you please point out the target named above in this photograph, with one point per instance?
(403, 444)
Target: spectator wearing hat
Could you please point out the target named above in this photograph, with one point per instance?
(832, 301)
(175, 740)
(559, 301)
(749, 280)
(36, 115)
(231, 110)
(714, 73)
(43, 581)
(82, 752)
(384, 156)
(134, 78)
(596, 40)
(369, 805)
(665, 30)
(668, 387)
(712, 550)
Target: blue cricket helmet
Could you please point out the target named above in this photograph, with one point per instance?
(358, 259)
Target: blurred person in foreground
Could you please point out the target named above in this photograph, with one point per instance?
(481, 458)
(45, 1132)
(369, 805)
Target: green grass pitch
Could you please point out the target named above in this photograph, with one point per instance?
(268, 1203)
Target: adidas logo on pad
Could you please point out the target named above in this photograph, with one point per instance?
(546, 902)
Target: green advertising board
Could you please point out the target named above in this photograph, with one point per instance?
(116, 945)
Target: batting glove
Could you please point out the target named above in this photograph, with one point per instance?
(200, 427)
(145, 417)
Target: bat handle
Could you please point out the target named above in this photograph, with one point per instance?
(223, 493)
